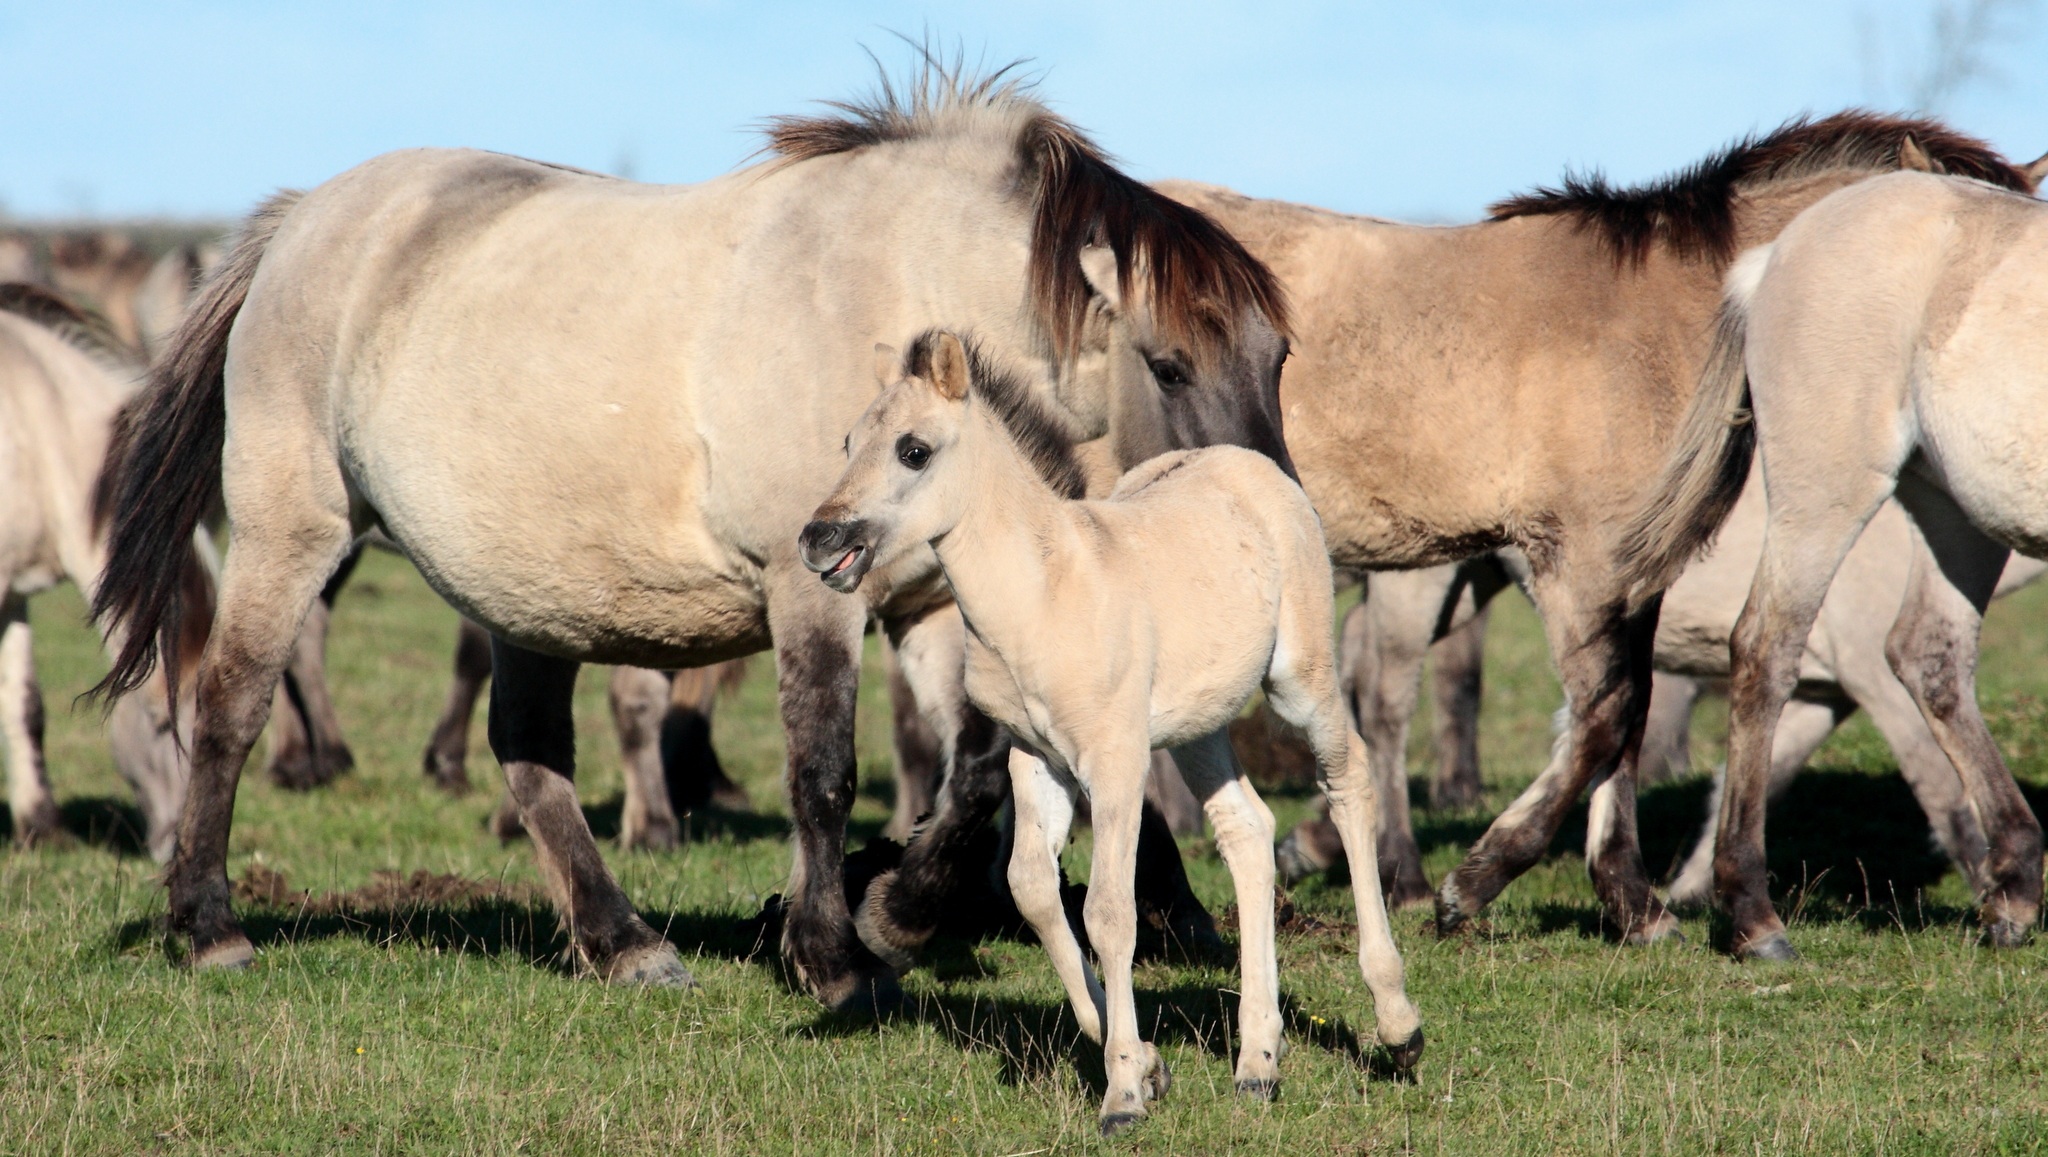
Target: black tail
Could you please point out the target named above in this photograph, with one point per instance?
(161, 477)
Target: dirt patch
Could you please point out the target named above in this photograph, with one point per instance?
(387, 891)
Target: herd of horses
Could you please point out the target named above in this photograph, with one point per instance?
(1085, 508)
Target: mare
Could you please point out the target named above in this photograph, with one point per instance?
(587, 409)
(1515, 384)
(63, 379)
(1887, 344)
(1094, 642)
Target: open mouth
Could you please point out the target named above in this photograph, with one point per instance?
(846, 574)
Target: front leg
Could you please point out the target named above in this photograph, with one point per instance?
(1115, 775)
(21, 724)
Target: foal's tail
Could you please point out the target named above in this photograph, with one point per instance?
(161, 477)
(1709, 458)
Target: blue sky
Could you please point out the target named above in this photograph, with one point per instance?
(1422, 110)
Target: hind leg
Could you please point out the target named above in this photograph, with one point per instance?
(920, 753)
(1244, 837)
(1458, 662)
(447, 757)
(1385, 641)
(1667, 729)
(306, 745)
(1805, 725)
(1045, 815)
(639, 699)
(690, 768)
(21, 725)
(1933, 650)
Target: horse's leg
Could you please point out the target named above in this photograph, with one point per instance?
(639, 699)
(1457, 679)
(1667, 730)
(1306, 695)
(447, 757)
(21, 725)
(153, 762)
(1804, 726)
(1166, 789)
(1115, 774)
(690, 770)
(1045, 814)
(817, 657)
(1933, 650)
(1924, 766)
(307, 749)
(1385, 641)
(1244, 837)
(1603, 657)
(920, 754)
(533, 734)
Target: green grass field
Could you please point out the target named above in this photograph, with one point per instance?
(452, 1026)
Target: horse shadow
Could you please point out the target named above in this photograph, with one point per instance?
(607, 819)
(104, 822)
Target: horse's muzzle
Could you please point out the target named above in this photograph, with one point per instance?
(838, 551)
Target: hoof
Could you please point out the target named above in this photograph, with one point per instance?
(41, 829)
(897, 946)
(653, 837)
(1659, 931)
(1263, 1089)
(731, 797)
(2007, 934)
(450, 775)
(506, 824)
(864, 996)
(655, 966)
(234, 953)
(1158, 1081)
(1773, 948)
(1114, 1123)
(1407, 894)
(1293, 864)
(1408, 1053)
(1451, 916)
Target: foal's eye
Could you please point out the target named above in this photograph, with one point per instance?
(912, 453)
(1170, 374)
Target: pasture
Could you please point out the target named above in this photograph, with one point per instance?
(394, 1014)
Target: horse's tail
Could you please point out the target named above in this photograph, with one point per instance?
(161, 477)
(1710, 457)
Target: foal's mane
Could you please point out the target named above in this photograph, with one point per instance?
(1037, 434)
(1201, 280)
(1693, 211)
(79, 326)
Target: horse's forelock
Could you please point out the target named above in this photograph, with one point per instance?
(1202, 283)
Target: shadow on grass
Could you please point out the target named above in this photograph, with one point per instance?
(104, 822)
(606, 820)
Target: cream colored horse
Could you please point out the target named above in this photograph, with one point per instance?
(1889, 343)
(62, 383)
(1516, 383)
(587, 410)
(1095, 635)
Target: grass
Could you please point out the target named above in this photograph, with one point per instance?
(450, 1026)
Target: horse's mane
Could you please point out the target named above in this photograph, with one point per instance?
(1038, 435)
(1693, 211)
(1201, 280)
(78, 324)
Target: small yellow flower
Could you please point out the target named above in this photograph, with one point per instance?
(359, 1050)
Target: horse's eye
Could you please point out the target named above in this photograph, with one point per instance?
(1170, 374)
(913, 453)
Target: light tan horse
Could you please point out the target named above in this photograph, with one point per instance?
(1889, 343)
(63, 379)
(1515, 383)
(1095, 635)
(588, 411)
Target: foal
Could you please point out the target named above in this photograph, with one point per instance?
(1098, 631)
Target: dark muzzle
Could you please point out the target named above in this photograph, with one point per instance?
(838, 551)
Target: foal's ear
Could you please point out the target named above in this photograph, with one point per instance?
(2037, 172)
(888, 364)
(949, 368)
(1098, 268)
(1914, 158)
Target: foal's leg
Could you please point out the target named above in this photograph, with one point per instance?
(447, 757)
(1244, 836)
(1045, 814)
(1115, 774)
(306, 745)
(1933, 649)
(533, 734)
(1805, 725)
(1459, 662)
(639, 700)
(21, 725)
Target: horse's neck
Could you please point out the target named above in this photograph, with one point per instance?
(1763, 211)
(994, 555)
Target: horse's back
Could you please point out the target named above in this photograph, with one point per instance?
(57, 406)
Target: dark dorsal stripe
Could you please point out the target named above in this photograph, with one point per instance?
(1200, 282)
(1693, 211)
(1038, 435)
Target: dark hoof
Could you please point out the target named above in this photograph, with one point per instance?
(1661, 931)
(1114, 1123)
(870, 996)
(2007, 934)
(1407, 893)
(655, 966)
(731, 797)
(505, 823)
(1408, 1053)
(896, 945)
(1774, 948)
(41, 828)
(1451, 917)
(1264, 1090)
(450, 775)
(1292, 863)
(654, 837)
(232, 954)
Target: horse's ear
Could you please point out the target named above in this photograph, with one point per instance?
(888, 363)
(1914, 158)
(1098, 266)
(2037, 172)
(949, 368)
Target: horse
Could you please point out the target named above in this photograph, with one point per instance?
(1887, 344)
(1841, 670)
(586, 410)
(63, 379)
(1514, 384)
(1095, 639)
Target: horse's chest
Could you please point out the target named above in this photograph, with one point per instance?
(995, 688)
